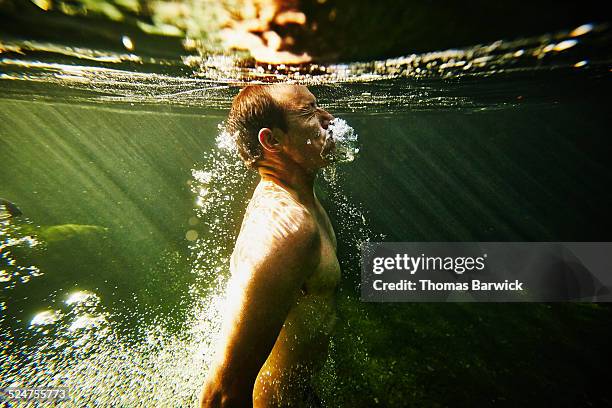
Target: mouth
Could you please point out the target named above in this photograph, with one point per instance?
(329, 145)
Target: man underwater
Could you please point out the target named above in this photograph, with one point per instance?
(284, 268)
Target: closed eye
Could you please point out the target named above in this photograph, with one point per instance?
(308, 110)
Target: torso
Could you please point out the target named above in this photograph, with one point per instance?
(301, 346)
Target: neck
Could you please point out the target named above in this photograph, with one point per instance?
(291, 177)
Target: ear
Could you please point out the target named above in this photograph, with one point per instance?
(268, 140)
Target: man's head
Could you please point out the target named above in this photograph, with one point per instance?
(282, 122)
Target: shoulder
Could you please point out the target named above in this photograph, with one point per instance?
(278, 229)
(274, 214)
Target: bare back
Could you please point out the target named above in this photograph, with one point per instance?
(301, 346)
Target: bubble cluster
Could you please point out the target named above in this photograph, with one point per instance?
(344, 139)
(14, 237)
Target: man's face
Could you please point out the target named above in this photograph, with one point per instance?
(307, 126)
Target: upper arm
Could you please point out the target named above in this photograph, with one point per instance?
(268, 272)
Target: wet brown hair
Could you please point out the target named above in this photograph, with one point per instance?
(252, 109)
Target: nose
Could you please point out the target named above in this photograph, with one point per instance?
(325, 118)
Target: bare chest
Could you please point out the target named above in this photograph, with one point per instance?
(326, 276)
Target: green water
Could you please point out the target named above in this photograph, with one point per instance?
(130, 211)
(124, 171)
(533, 171)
